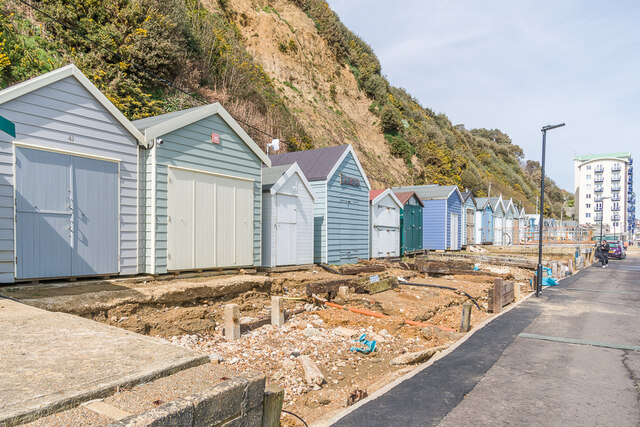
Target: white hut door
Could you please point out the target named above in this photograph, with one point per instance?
(286, 229)
(454, 231)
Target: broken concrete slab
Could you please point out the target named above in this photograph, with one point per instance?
(344, 332)
(312, 374)
(417, 356)
(54, 361)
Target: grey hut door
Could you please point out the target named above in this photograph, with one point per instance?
(66, 215)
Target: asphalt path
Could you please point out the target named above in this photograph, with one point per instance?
(570, 357)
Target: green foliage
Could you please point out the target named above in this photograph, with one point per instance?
(333, 92)
(177, 41)
(390, 120)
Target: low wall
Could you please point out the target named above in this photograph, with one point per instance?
(239, 401)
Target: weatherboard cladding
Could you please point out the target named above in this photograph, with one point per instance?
(454, 206)
(348, 216)
(319, 221)
(191, 147)
(410, 221)
(65, 116)
(294, 185)
(469, 204)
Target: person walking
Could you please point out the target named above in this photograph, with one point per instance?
(605, 254)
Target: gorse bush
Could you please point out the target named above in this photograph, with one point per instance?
(176, 41)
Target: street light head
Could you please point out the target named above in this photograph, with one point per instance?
(549, 127)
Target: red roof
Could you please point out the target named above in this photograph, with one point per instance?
(375, 193)
(404, 197)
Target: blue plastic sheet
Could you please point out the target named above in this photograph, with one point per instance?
(369, 346)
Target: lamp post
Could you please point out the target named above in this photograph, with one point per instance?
(541, 224)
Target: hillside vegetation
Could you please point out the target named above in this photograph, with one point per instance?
(288, 68)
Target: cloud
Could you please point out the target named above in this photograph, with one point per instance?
(516, 65)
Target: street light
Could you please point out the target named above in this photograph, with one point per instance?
(541, 225)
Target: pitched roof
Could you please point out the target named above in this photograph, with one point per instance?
(466, 195)
(316, 164)
(320, 164)
(495, 201)
(431, 191)
(481, 203)
(274, 178)
(375, 193)
(71, 70)
(405, 196)
(271, 175)
(156, 126)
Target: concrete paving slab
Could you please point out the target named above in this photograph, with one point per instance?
(53, 361)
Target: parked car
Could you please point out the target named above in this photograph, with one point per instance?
(616, 250)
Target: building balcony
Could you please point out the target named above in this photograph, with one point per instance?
(599, 169)
(615, 188)
(598, 198)
(598, 217)
(615, 177)
(598, 189)
(615, 197)
(599, 178)
(615, 208)
(598, 209)
(616, 168)
(615, 218)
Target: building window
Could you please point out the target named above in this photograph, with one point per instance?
(588, 196)
(588, 185)
(588, 215)
(588, 205)
(588, 176)
(588, 167)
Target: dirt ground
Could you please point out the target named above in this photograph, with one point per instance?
(327, 335)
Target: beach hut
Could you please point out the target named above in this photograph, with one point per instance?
(510, 216)
(385, 224)
(523, 222)
(441, 216)
(410, 221)
(484, 221)
(498, 220)
(287, 217)
(468, 218)
(202, 192)
(341, 206)
(68, 196)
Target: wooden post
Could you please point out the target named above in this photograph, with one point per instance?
(277, 311)
(272, 406)
(465, 323)
(232, 321)
(498, 286)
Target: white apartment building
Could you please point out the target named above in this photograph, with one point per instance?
(604, 192)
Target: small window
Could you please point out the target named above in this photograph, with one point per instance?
(588, 167)
(588, 185)
(588, 215)
(588, 205)
(588, 176)
(588, 196)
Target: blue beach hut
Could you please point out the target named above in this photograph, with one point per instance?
(441, 219)
(341, 205)
(484, 221)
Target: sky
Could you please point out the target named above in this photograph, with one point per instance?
(516, 65)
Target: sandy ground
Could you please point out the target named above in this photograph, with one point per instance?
(326, 335)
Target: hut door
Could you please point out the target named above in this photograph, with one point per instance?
(470, 226)
(454, 231)
(286, 229)
(66, 215)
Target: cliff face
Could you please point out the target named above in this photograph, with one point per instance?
(284, 68)
(321, 92)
